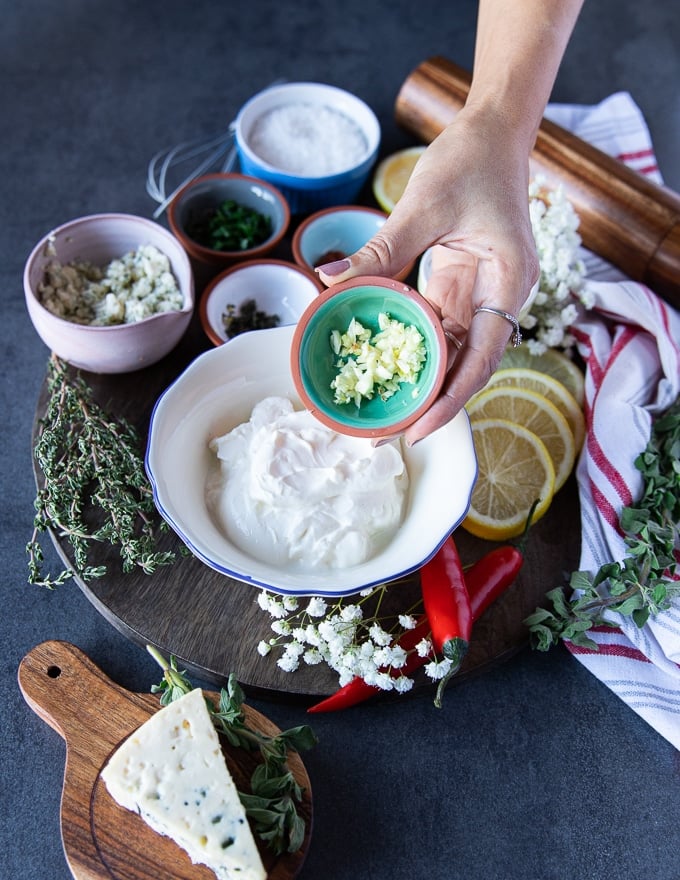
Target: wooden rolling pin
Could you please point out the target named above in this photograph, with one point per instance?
(625, 218)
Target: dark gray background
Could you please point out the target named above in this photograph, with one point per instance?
(532, 771)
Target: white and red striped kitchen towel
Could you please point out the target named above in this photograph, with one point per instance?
(630, 341)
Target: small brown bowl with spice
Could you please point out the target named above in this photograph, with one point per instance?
(256, 295)
(224, 218)
(337, 232)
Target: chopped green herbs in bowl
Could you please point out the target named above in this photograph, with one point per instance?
(229, 227)
(222, 218)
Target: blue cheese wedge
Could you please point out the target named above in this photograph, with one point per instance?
(172, 772)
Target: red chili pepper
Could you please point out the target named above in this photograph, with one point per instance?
(490, 577)
(486, 581)
(447, 606)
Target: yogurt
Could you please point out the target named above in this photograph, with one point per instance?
(294, 492)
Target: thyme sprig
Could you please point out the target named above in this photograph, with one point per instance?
(642, 584)
(272, 804)
(90, 460)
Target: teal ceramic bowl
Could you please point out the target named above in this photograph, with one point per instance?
(314, 363)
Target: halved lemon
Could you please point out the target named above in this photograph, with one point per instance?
(392, 174)
(557, 393)
(515, 470)
(535, 412)
(553, 362)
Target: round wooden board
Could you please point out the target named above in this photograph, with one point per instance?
(101, 839)
(213, 624)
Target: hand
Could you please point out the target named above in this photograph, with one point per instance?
(468, 195)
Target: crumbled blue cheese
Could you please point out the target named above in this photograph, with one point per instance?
(369, 364)
(172, 772)
(126, 290)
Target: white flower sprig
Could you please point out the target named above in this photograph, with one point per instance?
(350, 640)
(561, 288)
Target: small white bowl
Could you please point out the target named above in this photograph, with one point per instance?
(118, 348)
(278, 288)
(308, 190)
(216, 393)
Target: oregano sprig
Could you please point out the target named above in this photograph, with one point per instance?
(90, 461)
(272, 804)
(642, 584)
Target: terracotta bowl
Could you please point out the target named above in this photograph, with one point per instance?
(314, 363)
(200, 197)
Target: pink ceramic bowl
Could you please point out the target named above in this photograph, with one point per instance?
(120, 348)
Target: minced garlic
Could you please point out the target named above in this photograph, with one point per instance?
(376, 364)
(128, 289)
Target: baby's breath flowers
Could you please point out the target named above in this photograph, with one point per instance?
(561, 287)
(348, 635)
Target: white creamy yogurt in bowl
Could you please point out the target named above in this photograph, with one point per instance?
(215, 395)
(297, 493)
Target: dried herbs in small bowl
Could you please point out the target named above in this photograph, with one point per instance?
(256, 295)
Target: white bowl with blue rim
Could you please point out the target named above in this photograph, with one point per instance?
(215, 394)
(315, 142)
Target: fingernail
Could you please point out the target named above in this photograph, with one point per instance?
(383, 441)
(334, 268)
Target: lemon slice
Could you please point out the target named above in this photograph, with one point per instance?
(392, 174)
(553, 362)
(515, 470)
(535, 412)
(556, 392)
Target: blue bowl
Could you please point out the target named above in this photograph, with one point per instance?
(305, 187)
(337, 232)
(313, 362)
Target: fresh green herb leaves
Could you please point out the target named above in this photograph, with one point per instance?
(271, 805)
(89, 458)
(641, 585)
(230, 227)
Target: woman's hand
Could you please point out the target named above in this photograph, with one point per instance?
(468, 196)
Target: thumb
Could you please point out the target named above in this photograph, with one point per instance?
(381, 255)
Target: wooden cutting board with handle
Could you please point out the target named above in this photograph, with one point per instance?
(94, 715)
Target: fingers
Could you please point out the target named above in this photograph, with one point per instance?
(376, 257)
(398, 242)
(472, 368)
